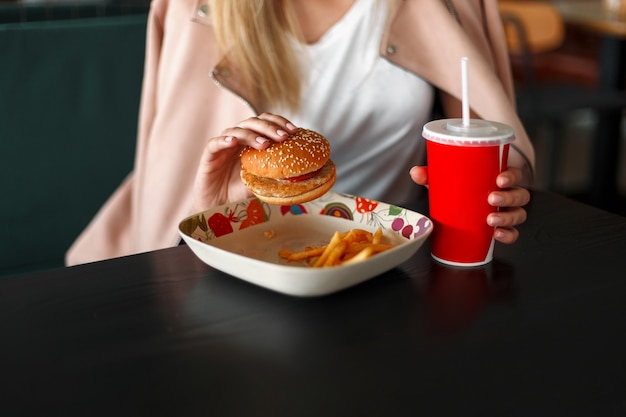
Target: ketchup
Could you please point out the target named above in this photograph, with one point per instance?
(302, 177)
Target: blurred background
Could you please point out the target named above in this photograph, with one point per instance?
(569, 62)
(70, 80)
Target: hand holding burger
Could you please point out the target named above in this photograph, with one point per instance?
(218, 176)
(294, 171)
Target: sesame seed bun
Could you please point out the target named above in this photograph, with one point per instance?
(294, 171)
(303, 152)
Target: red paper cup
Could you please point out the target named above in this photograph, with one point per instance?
(463, 163)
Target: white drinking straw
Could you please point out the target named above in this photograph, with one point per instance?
(465, 86)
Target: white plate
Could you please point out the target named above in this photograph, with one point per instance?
(243, 240)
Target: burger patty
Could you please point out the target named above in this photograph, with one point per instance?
(286, 188)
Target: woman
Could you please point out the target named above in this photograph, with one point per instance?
(364, 73)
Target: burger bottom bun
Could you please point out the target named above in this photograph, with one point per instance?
(285, 193)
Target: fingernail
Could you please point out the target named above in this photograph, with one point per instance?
(261, 140)
(495, 199)
(291, 126)
(503, 182)
(494, 220)
(498, 234)
(229, 139)
(281, 132)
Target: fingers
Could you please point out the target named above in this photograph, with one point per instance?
(259, 131)
(509, 194)
(506, 235)
(219, 143)
(419, 174)
(510, 200)
(507, 217)
(512, 197)
(504, 222)
(510, 177)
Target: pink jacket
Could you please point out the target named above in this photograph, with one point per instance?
(182, 107)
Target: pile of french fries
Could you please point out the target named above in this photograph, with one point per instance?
(345, 248)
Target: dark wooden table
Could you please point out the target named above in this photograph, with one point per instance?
(541, 331)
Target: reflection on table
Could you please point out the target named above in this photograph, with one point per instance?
(539, 331)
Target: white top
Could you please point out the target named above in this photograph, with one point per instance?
(371, 111)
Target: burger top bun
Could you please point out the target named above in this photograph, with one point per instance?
(303, 152)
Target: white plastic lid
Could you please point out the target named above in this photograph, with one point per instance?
(477, 133)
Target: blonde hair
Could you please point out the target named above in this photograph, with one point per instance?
(258, 35)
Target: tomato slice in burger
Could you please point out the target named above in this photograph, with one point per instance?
(302, 177)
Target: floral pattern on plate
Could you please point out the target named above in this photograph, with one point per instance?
(240, 215)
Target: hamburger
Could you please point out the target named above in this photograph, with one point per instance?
(294, 171)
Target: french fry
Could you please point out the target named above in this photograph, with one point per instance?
(335, 255)
(358, 247)
(360, 256)
(334, 241)
(377, 238)
(305, 254)
(357, 235)
(352, 246)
